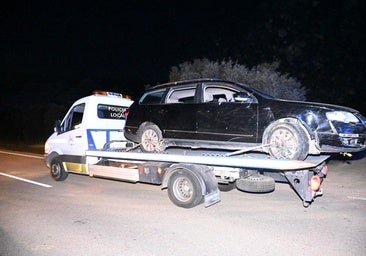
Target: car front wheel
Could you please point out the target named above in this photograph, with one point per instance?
(288, 141)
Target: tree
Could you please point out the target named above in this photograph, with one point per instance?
(264, 77)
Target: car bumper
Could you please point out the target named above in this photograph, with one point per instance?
(342, 143)
(130, 133)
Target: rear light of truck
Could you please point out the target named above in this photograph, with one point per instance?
(315, 183)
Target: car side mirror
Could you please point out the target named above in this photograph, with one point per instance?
(243, 97)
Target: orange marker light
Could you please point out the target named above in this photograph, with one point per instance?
(315, 183)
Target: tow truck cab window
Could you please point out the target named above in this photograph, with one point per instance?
(74, 118)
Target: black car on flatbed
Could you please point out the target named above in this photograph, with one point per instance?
(212, 113)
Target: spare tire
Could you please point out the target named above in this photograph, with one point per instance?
(256, 183)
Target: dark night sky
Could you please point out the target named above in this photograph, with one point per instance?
(58, 46)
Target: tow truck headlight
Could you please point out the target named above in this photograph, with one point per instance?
(342, 116)
(47, 147)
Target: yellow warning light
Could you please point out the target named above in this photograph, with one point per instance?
(115, 94)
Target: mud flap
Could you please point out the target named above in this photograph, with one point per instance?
(212, 198)
(300, 182)
(212, 192)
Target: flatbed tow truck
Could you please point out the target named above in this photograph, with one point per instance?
(89, 140)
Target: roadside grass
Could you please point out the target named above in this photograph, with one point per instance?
(31, 148)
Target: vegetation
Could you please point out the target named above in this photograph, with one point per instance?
(264, 77)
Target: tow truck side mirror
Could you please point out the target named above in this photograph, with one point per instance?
(58, 126)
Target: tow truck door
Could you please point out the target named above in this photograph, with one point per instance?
(71, 135)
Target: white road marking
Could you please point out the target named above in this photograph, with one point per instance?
(357, 198)
(20, 154)
(25, 180)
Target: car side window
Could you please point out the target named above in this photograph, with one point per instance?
(185, 95)
(218, 94)
(153, 97)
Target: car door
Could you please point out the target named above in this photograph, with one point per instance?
(224, 117)
(178, 113)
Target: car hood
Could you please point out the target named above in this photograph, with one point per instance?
(324, 106)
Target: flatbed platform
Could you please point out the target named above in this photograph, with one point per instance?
(212, 158)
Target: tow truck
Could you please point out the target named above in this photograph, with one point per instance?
(89, 140)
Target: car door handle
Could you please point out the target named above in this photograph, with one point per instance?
(78, 136)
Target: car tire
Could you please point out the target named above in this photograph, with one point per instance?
(256, 183)
(57, 170)
(288, 141)
(151, 138)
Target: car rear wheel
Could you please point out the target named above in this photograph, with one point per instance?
(151, 139)
(288, 141)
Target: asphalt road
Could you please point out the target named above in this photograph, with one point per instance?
(92, 216)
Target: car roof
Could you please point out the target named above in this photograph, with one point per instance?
(182, 82)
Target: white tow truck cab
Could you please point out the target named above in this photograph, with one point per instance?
(91, 123)
(90, 140)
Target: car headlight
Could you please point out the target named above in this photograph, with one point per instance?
(342, 116)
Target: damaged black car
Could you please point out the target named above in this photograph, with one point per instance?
(218, 114)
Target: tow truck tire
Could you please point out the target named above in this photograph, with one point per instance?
(57, 170)
(184, 189)
(256, 183)
(151, 138)
(288, 141)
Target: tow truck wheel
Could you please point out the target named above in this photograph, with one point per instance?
(184, 189)
(58, 172)
(288, 141)
(151, 139)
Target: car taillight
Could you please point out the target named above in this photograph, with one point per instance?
(127, 111)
